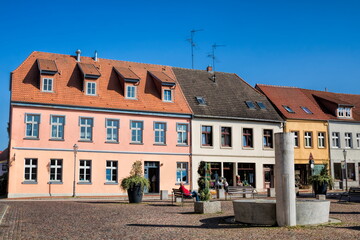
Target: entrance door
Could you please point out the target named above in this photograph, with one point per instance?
(229, 173)
(268, 176)
(152, 173)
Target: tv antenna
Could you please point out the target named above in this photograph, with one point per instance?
(192, 43)
(212, 55)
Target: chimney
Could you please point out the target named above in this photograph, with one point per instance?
(209, 69)
(95, 56)
(78, 55)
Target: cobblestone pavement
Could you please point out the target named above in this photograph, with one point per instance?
(113, 219)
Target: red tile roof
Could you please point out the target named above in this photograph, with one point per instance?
(68, 85)
(293, 98)
(162, 77)
(126, 73)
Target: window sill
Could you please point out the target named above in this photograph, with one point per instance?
(160, 144)
(89, 141)
(29, 182)
(182, 145)
(112, 142)
(247, 148)
(268, 148)
(31, 138)
(84, 183)
(55, 182)
(53, 139)
(206, 146)
(184, 183)
(134, 143)
(111, 183)
(226, 147)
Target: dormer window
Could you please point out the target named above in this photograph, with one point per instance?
(344, 112)
(306, 110)
(91, 88)
(47, 84)
(250, 104)
(130, 91)
(200, 100)
(167, 95)
(288, 109)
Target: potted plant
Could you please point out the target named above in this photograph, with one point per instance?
(135, 183)
(320, 182)
(205, 205)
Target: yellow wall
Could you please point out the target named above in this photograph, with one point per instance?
(320, 155)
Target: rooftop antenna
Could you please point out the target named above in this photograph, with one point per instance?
(192, 43)
(212, 55)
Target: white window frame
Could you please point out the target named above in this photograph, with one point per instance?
(57, 166)
(348, 140)
(358, 140)
(130, 94)
(47, 85)
(136, 131)
(321, 139)
(91, 88)
(113, 128)
(32, 168)
(112, 167)
(166, 96)
(296, 137)
(58, 125)
(33, 123)
(182, 134)
(308, 139)
(184, 166)
(161, 137)
(87, 165)
(84, 126)
(344, 112)
(335, 140)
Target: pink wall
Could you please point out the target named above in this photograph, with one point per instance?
(42, 188)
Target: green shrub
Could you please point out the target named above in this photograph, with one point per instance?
(204, 181)
(136, 178)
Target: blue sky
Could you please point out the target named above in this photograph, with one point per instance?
(308, 44)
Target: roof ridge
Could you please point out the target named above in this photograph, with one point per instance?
(201, 70)
(269, 85)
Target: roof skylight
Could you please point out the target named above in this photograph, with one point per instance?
(200, 100)
(288, 109)
(250, 104)
(261, 105)
(306, 110)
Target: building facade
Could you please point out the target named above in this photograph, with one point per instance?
(232, 129)
(78, 124)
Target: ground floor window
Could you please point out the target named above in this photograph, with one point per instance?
(246, 173)
(351, 171)
(56, 170)
(85, 171)
(182, 172)
(30, 169)
(111, 171)
(337, 171)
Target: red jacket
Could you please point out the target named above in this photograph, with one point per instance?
(185, 191)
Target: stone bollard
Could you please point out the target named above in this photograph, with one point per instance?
(271, 192)
(321, 197)
(220, 193)
(164, 195)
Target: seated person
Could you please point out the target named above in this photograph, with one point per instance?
(188, 193)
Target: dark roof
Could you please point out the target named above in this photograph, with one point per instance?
(225, 97)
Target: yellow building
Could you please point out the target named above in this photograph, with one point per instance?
(308, 122)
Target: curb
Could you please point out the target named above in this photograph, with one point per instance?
(3, 210)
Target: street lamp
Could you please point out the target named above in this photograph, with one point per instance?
(346, 182)
(75, 147)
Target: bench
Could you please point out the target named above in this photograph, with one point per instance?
(353, 192)
(176, 193)
(241, 190)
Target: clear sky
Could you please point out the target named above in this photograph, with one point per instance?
(307, 44)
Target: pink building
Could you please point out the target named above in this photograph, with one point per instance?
(86, 120)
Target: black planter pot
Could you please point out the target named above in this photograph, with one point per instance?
(135, 194)
(320, 188)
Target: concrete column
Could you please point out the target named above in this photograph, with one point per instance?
(285, 179)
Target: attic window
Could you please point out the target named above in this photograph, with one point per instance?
(200, 100)
(306, 110)
(344, 112)
(261, 105)
(250, 104)
(288, 109)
